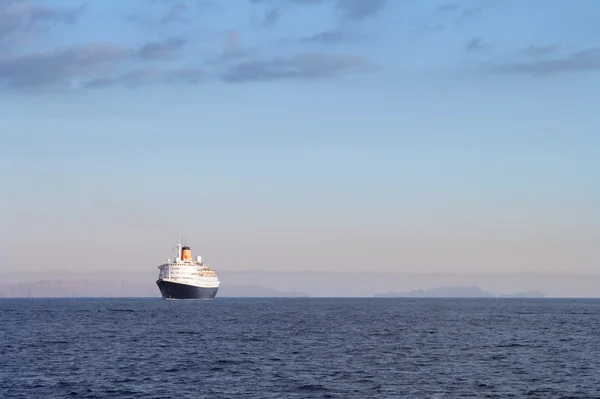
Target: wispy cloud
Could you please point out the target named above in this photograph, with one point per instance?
(302, 66)
(475, 44)
(289, 1)
(148, 76)
(449, 7)
(271, 17)
(472, 12)
(18, 17)
(329, 36)
(351, 10)
(462, 13)
(581, 61)
(94, 64)
(536, 51)
(161, 50)
(175, 13)
(59, 67)
(356, 10)
(172, 12)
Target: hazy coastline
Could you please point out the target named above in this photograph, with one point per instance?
(302, 284)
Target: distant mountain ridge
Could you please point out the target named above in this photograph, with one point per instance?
(140, 282)
(457, 292)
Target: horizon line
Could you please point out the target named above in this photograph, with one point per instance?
(552, 273)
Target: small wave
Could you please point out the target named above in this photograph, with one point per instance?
(512, 346)
(312, 388)
(229, 361)
(364, 381)
(172, 370)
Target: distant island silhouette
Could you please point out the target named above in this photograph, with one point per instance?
(115, 283)
(457, 292)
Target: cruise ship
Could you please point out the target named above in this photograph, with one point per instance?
(186, 278)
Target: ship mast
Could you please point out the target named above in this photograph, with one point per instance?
(179, 247)
(178, 258)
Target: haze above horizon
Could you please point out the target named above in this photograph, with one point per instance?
(332, 135)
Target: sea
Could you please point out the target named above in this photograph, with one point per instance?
(300, 348)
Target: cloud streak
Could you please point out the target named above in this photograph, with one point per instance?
(581, 61)
(302, 66)
(475, 44)
(59, 67)
(356, 10)
(449, 7)
(462, 13)
(328, 37)
(175, 13)
(148, 76)
(102, 64)
(537, 51)
(162, 50)
(19, 17)
(271, 17)
(94, 65)
(290, 1)
(351, 10)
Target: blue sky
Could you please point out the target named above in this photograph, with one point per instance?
(302, 134)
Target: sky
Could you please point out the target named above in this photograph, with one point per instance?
(332, 135)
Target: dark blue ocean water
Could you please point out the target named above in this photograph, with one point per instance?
(300, 348)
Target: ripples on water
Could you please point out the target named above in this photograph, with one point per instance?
(299, 348)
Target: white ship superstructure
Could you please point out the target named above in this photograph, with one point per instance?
(187, 278)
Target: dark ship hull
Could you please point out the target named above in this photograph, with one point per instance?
(170, 290)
